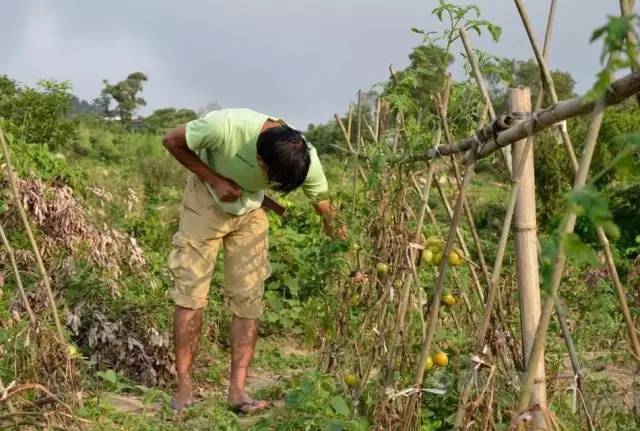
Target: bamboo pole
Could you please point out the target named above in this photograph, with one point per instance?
(350, 150)
(32, 240)
(408, 281)
(481, 335)
(525, 238)
(357, 145)
(16, 272)
(441, 108)
(547, 78)
(489, 106)
(537, 350)
(475, 68)
(503, 132)
(626, 7)
(410, 410)
(566, 333)
(463, 243)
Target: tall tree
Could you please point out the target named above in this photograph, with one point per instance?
(126, 95)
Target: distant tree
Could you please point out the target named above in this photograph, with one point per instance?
(83, 107)
(502, 73)
(126, 95)
(163, 119)
(323, 136)
(102, 104)
(412, 88)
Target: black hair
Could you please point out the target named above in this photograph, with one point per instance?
(286, 155)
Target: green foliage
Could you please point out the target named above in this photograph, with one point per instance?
(625, 204)
(618, 135)
(164, 119)
(553, 175)
(37, 115)
(502, 73)
(455, 16)
(316, 403)
(618, 52)
(325, 137)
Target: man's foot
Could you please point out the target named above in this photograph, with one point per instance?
(183, 396)
(178, 407)
(249, 406)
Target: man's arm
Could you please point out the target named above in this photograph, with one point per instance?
(328, 213)
(175, 142)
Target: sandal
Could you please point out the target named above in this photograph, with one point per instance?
(249, 407)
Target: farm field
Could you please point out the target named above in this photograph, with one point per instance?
(488, 279)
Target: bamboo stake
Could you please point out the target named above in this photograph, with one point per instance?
(626, 9)
(349, 118)
(350, 149)
(357, 146)
(441, 105)
(462, 242)
(400, 317)
(409, 411)
(547, 78)
(537, 351)
(547, 33)
(481, 335)
(602, 238)
(566, 333)
(473, 61)
(507, 133)
(408, 281)
(16, 272)
(525, 238)
(377, 125)
(34, 245)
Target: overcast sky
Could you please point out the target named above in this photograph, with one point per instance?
(301, 60)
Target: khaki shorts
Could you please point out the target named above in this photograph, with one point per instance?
(203, 227)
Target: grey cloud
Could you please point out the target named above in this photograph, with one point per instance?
(299, 59)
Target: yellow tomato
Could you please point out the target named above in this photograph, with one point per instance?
(427, 256)
(434, 244)
(441, 359)
(351, 380)
(382, 268)
(455, 259)
(429, 364)
(449, 299)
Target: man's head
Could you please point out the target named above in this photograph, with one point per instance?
(285, 156)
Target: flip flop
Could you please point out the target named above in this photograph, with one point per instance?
(241, 408)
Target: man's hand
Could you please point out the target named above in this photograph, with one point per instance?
(340, 233)
(175, 142)
(226, 189)
(328, 213)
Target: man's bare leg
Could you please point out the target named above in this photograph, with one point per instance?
(244, 335)
(186, 332)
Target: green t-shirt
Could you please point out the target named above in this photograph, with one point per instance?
(226, 140)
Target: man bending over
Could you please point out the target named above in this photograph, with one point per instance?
(233, 156)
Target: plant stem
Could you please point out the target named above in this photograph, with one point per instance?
(32, 240)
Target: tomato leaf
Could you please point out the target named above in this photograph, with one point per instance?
(340, 406)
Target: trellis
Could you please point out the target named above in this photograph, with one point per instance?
(521, 124)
